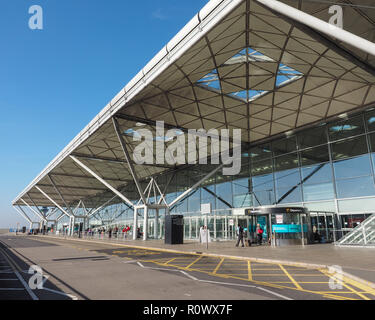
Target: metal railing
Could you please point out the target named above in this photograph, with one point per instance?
(363, 234)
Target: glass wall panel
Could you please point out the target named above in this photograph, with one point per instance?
(312, 137)
(354, 167)
(261, 167)
(224, 191)
(317, 174)
(286, 181)
(370, 120)
(372, 141)
(322, 191)
(242, 200)
(346, 128)
(321, 206)
(263, 198)
(207, 195)
(357, 205)
(260, 152)
(356, 187)
(194, 201)
(349, 148)
(283, 146)
(241, 186)
(288, 195)
(314, 155)
(262, 190)
(285, 162)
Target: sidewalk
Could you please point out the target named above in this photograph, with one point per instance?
(359, 262)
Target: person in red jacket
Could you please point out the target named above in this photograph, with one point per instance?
(259, 233)
(125, 231)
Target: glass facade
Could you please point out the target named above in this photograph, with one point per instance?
(328, 168)
(334, 161)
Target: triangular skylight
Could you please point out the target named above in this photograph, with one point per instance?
(284, 75)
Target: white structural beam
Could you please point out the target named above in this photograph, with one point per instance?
(76, 208)
(61, 216)
(54, 202)
(36, 212)
(32, 201)
(128, 160)
(320, 25)
(22, 213)
(195, 186)
(53, 211)
(115, 191)
(58, 191)
(101, 207)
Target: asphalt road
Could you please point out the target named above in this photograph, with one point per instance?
(89, 270)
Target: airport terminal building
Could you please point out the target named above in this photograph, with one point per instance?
(302, 92)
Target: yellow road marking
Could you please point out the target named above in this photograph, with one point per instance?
(268, 284)
(344, 284)
(290, 277)
(226, 276)
(359, 285)
(170, 260)
(240, 262)
(249, 274)
(218, 266)
(196, 260)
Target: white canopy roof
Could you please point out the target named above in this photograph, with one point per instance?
(236, 64)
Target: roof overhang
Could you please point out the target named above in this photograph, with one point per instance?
(334, 77)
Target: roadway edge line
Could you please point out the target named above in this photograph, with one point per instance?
(262, 260)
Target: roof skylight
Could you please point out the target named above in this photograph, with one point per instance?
(213, 80)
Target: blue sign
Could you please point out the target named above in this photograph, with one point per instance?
(288, 228)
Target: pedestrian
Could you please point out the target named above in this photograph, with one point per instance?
(240, 236)
(127, 229)
(110, 233)
(259, 233)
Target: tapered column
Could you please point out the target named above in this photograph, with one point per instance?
(156, 225)
(135, 223)
(145, 222)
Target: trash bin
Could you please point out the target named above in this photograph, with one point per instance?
(174, 229)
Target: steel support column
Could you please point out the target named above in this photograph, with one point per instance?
(135, 223)
(22, 213)
(38, 214)
(59, 193)
(145, 223)
(115, 191)
(156, 225)
(127, 157)
(54, 202)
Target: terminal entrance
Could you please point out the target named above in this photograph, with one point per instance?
(249, 224)
(280, 225)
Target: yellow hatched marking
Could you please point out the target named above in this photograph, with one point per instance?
(270, 275)
(345, 285)
(250, 276)
(196, 260)
(170, 260)
(290, 277)
(218, 266)
(361, 286)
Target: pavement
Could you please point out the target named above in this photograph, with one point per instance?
(94, 269)
(356, 262)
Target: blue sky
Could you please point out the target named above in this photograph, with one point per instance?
(54, 81)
